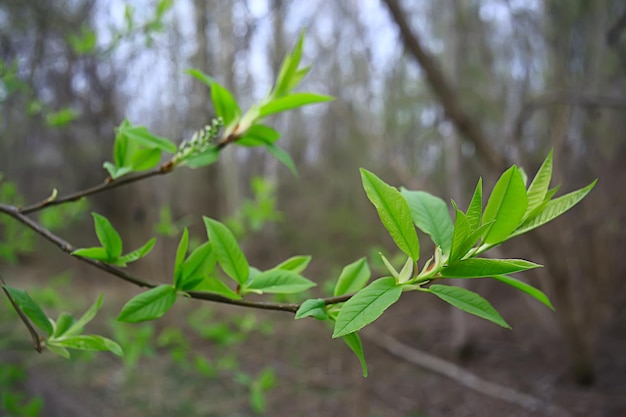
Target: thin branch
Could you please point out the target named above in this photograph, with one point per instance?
(33, 333)
(121, 274)
(461, 376)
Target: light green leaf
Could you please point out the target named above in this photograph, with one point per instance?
(354, 343)
(137, 254)
(353, 277)
(394, 213)
(181, 252)
(460, 236)
(142, 136)
(214, 285)
(279, 281)
(288, 70)
(506, 206)
(149, 305)
(468, 301)
(30, 308)
(200, 263)
(475, 208)
(224, 104)
(366, 306)
(88, 342)
(482, 267)
(539, 186)
(291, 101)
(116, 172)
(528, 289)
(145, 159)
(98, 254)
(430, 215)
(258, 135)
(203, 159)
(228, 253)
(58, 350)
(63, 323)
(283, 157)
(554, 209)
(315, 308)
(77, 327)
(122, 147)
(295, 264)
(108, 236)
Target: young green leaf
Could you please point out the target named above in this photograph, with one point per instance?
(98, 254)
(63, 323)
(315, 308)
(136, 254)
(199, 264)
(148, 305)
(258, 135)
(181, 252)
(142, 136)
(224, 104)
(279, 281)
(228, 253)
(88, 342)
(58, 350)
(291, 101)
(145, 159)
(115, 171)
(203, 159)
(394, 213)
(366, 306)
(77, 326)
(354, 343)
(353, 277)
(506, 206)
(482, 267)
(539, 187)
(215, 286)
(30, 308)
(468, 301)
(108, 236)
(475, 208)
(295, 264)
(460, 236)
(528, 289)
(430, 215)
(283, 157)
(554, 209)
(288, 70)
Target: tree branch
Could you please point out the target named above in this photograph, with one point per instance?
(443, 91)
(33, 333)
(124, 276)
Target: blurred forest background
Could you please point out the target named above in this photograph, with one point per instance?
(429, 94)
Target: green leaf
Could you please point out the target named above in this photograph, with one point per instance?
(77, 326)
(460, 236)
(148, 305)
(224, 104)
(145, 159)
(142, 136)
(539, 186)
(58, 350)
(279, 281)
(214, 285)
(181, 252)
(203, 159)
(288, 70)
(63, 323)
(295, 264)
(258, 135)
(554, 209)
(291, 101)
(283, 157)
(197, 266)
(394, 213)
(115, 171)
(122, 147)
(108, 236)
(30, 308)
(430, 215)
(61, 118)
(353, 277)
(354, 343)
(315, 308)
(506, 206)
(468, 301)
(366, 306)
(98, 254)
(138, 253)
(528, 289)
(88, 342)
(482, 267)
(228, 253)
(475, 208)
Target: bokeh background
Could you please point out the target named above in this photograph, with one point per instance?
(429, 95)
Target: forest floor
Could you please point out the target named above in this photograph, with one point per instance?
(317, 376)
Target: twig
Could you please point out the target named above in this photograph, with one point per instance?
(461, 376)
(33, 333)
(68, 248)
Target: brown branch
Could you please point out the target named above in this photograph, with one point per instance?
(460, 375)
(33, 333)
(68, 248)
(440, 86)
(552, 98)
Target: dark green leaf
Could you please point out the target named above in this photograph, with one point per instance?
(482, 267)
(149, 305)
(295, 264)
(228, 253)
(30, 308)
(469, 302)
(366, 306)
(430, 215)
(528, 289)
(315, 308)
(291, 101)
(108, 236)
(353, 277)
(89, 342)
(354, 343)
(279, 281)
(394, 213)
